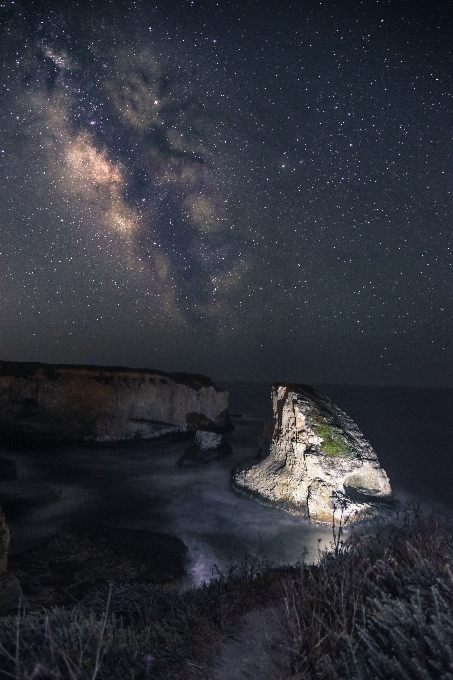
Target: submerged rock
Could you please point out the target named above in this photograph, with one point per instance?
(318, 462)
(59, 402)
(208, 446)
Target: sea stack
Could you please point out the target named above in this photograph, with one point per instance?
(208, 446)
(317, 463)
(58, 402)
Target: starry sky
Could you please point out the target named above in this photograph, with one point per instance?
(251, 190)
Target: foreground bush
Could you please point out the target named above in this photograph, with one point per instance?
(378, 605)
(119, 629)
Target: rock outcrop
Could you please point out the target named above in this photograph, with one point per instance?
(318, 463)
(60, 402)
(208, 446)
(4, 542)
(9, 585)
(71, 565)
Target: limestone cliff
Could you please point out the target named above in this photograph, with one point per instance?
(318, 460)
(101, 404)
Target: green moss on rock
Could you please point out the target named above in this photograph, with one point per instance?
(333, 443)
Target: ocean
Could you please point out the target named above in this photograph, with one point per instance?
(139, 486)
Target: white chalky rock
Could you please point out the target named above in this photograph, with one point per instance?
(207, 440)
(319, 463)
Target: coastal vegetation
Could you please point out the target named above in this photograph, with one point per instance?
(378, 604)
(333, 443)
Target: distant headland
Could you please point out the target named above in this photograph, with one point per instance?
(58, 402)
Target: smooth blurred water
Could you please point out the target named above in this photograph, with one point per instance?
(140, 486)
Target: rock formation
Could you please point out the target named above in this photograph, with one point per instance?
(317, 463)
(208, 446)
(104, 404)
(9, 585)
(71, 565)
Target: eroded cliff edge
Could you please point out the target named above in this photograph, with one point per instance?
(42, 402)
(316, 461)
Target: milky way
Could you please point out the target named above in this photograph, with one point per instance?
(237, 190)
(124, 137)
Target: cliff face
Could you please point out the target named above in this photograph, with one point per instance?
(101, 404)
(318, 460)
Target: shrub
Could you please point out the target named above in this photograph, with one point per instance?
(364, 609)
(333, 444)
(110, 636)
(407, 639)
(379, 605)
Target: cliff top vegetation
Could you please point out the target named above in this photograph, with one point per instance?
(378, 604)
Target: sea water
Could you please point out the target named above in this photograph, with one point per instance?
(140, 486)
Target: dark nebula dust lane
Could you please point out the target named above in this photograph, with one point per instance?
(125, 133)
(248, 191)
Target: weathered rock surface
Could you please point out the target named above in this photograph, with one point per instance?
(103, 404)
(318, 461)
(205, 440)
(208, 446)
(9, 585)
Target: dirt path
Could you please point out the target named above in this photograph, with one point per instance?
(258, 651)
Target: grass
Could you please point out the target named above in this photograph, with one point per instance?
(110, 636)
(377, 606)
(333, 443)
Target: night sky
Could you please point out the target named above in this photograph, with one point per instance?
(251, 190)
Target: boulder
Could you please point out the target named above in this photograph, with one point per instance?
(208, 446)
(318, 463)
(207, 440)
(71, 565)
(42, 402)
